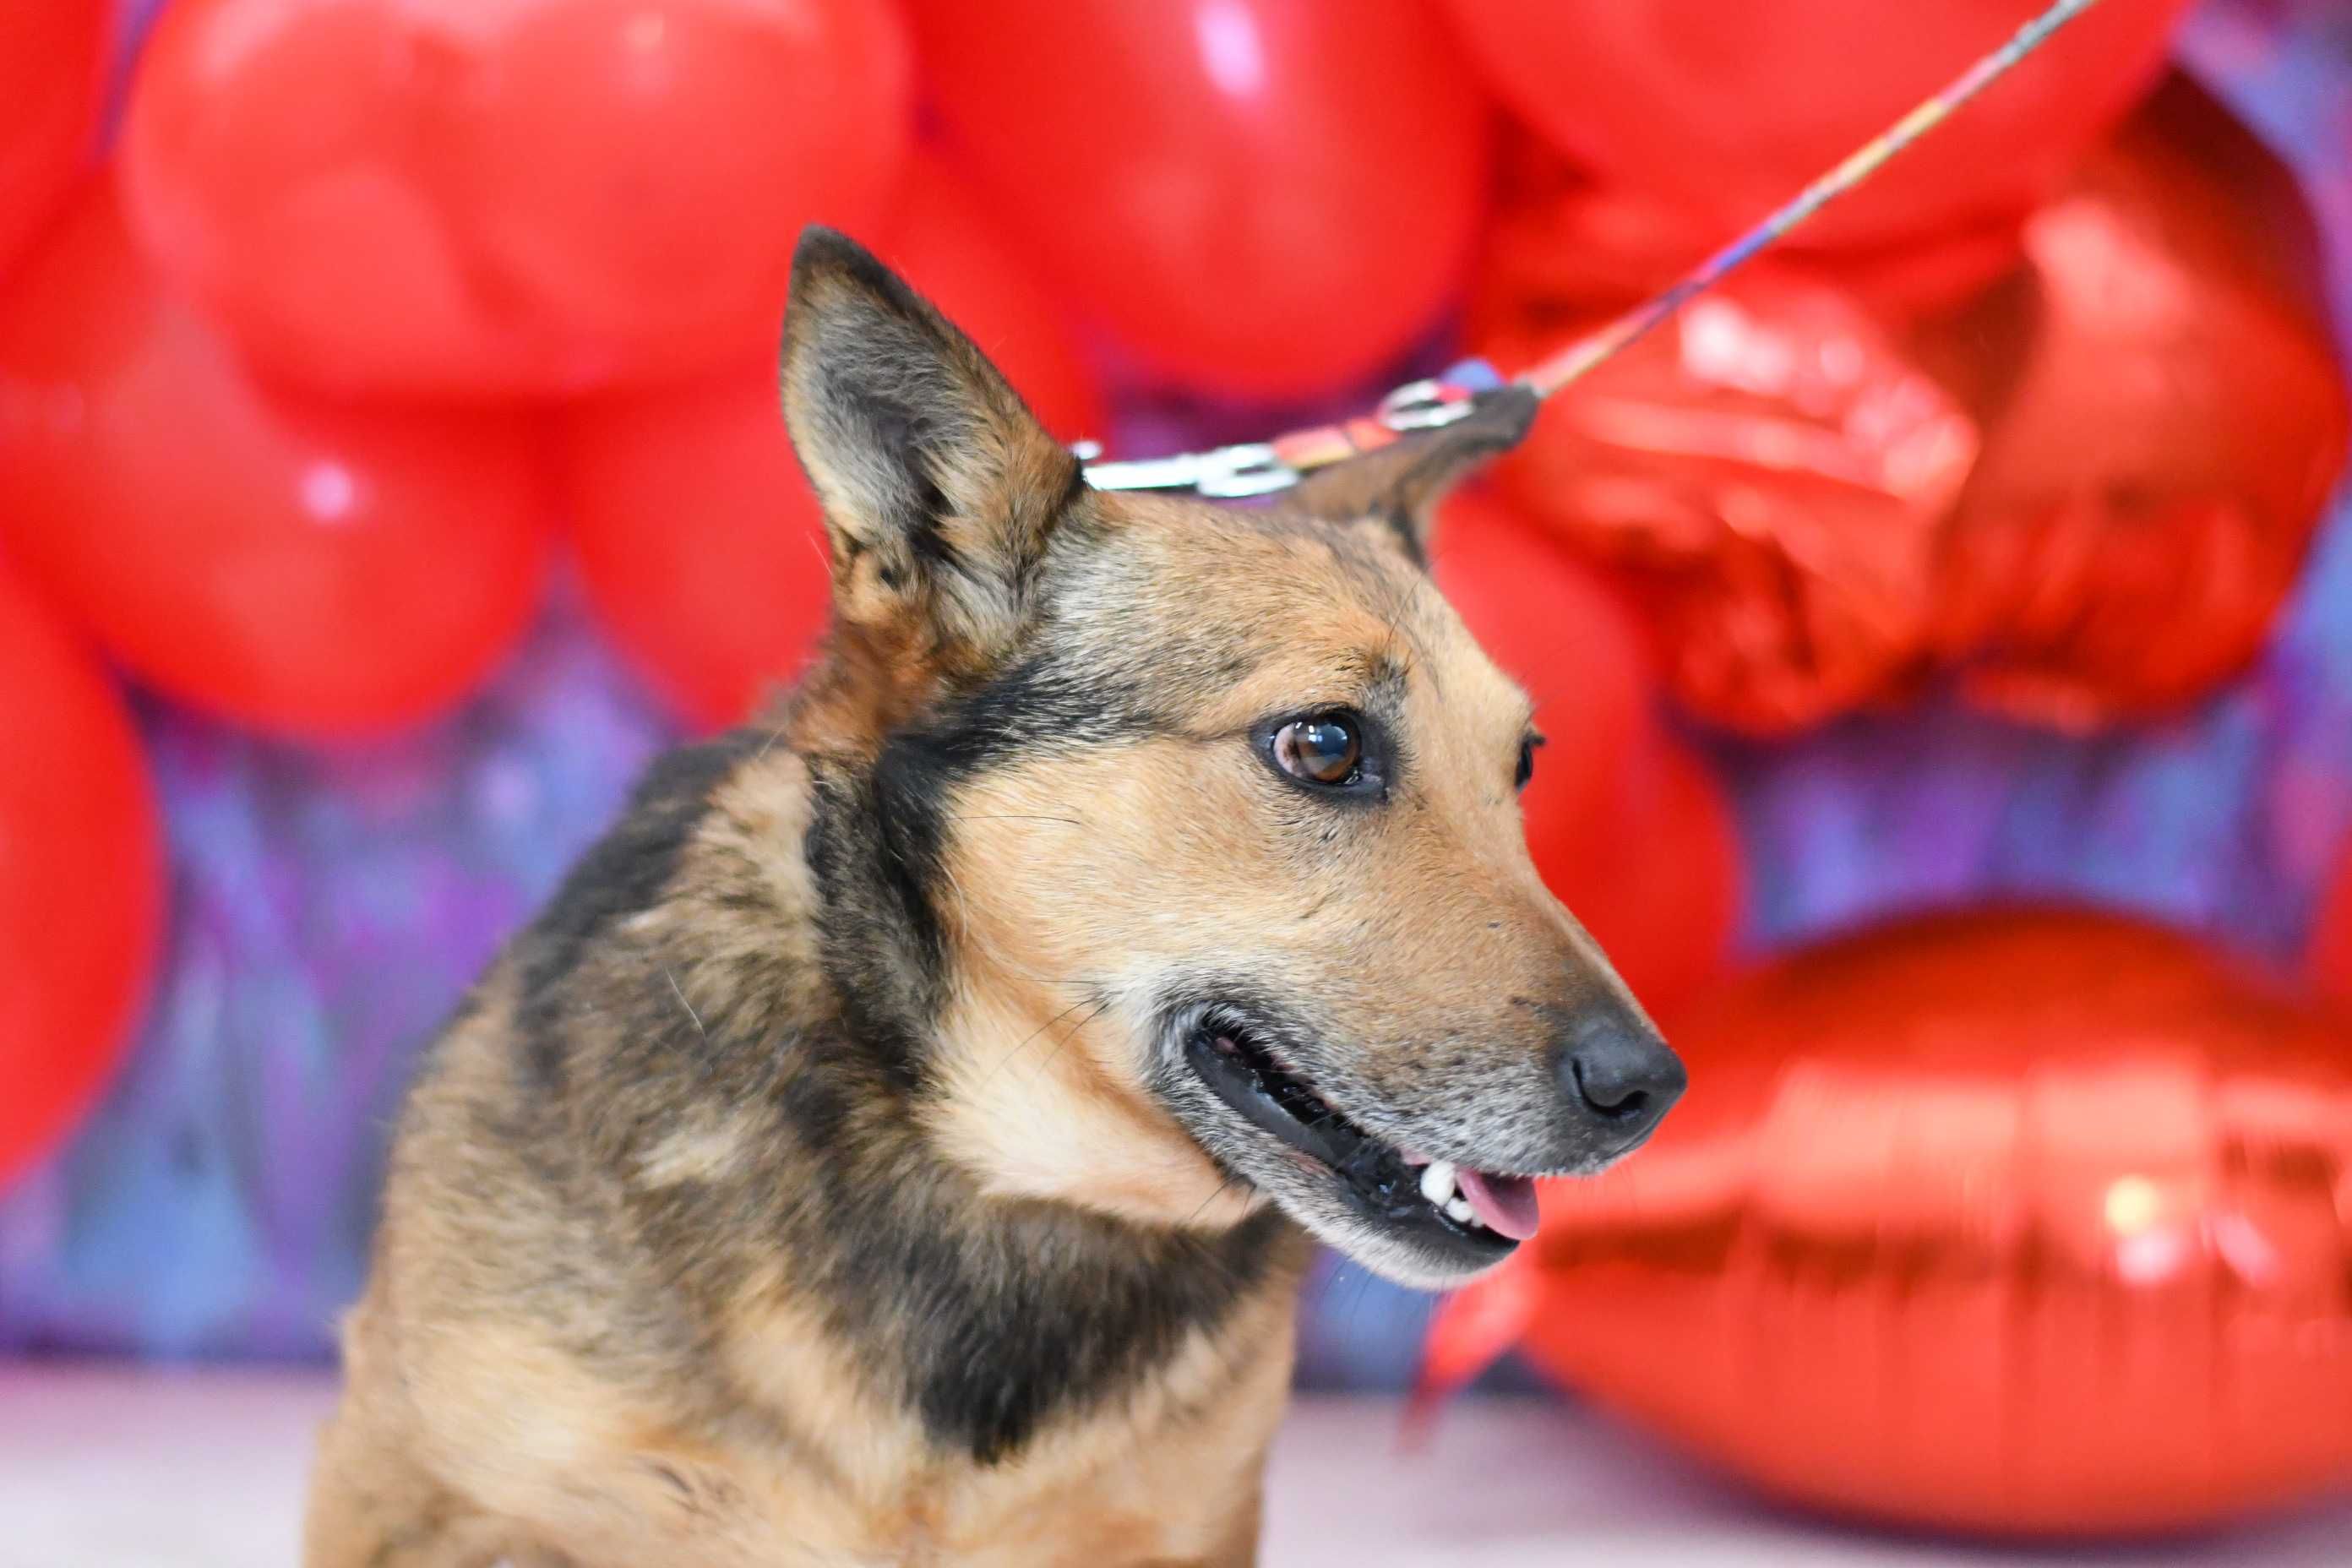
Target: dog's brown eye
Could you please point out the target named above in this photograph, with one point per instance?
(1527, 761)
(1325, 750)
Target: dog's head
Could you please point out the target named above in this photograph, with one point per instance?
(1210, 815)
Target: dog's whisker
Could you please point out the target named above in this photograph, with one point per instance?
(1072, 1033)
(1016, 816)
(1219, 1192)
(1034, 1033)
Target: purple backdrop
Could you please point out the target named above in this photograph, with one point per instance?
(330, 906)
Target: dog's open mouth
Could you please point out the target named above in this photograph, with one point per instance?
(1396, 1186)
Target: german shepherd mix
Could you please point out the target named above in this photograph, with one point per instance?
(896, 1141)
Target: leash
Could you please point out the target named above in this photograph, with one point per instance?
(1262, 467)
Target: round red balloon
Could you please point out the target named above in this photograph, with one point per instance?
(699, 539)
(1630, 829)
(53, 60)
(308, 569)
(1659, 880)
(81, 880)
(1556, 628)
(495, 197)
(944, 238)
(1727, 110)
(2170, 441)
(1258, 196)
(2009, 1220)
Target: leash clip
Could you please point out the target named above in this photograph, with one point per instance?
(1226, 473)
(1262, 467)
(1424, 405)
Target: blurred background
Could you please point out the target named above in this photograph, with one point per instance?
(1944, 631)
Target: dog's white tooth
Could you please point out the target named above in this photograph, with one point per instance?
(1460, 1209)
(1437, 1182)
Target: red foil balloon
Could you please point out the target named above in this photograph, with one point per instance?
(53, 60)
(2170, 440)
(1725, 110)
(1266, 197)
(81, 880)
(1628, 827)
(1583, 250)
(311, 570)
(1771, 474)
(468, 198)
(2015, 1221)
(1818, 511)
(699, 536)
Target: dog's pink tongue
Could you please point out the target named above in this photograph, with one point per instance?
(1507, 1205)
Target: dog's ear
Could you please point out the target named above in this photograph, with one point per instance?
(939, 486)
(1400, 485)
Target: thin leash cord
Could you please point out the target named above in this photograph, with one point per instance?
(1259, 468)
(1580, 357)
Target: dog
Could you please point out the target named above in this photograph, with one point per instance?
(898, 1139)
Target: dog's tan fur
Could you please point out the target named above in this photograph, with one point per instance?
(834, 1070)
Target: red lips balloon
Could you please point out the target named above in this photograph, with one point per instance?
(81, 880)
(1725, 110)
(2017, 1221)
(698, 533)
(479, 198)
(1259, 196)
(53, 60)
(308, 569)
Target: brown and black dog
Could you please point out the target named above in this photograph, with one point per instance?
(897, 1140)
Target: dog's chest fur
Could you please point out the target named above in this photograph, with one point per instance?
(667, 1173)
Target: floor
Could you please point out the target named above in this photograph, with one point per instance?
(113, 1469)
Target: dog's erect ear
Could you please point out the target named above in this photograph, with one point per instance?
(939, 486)
(1401, 484)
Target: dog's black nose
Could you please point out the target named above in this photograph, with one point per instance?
(1620, 1071)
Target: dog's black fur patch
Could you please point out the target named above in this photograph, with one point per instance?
(1042, 701)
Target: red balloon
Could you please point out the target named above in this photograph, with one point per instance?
(81, 880)
(945, 238)
(699, 539)
(2030, 1222)
(1772, 474)
(1267, 197)
(1630, 830)
(1727, 110)
(53, 60)
(1587, 250)
(494, 197)
(2331, 940)
(308, 569)
(2170, 440)
(1819, 510)
(1659, 882)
